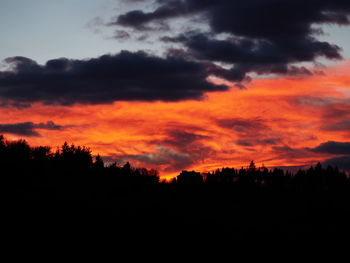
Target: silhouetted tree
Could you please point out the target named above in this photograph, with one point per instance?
(98, 163)
(189, 177)
(71, 170)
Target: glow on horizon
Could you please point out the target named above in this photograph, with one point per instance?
(291, 111)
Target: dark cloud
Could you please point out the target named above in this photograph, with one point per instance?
(251, 132)
(243, 125)
(163, 156)
(143, 37)
(257, 52)
(332, 147)
(188, 143)
(50, 125)
(284, 148)
(14, 104)
(121, 34)
(276, 19)
(259, 56)
(183, 138)
(343, 125)
(336, 111)
(240, 86)
(255, 134)
(336, 148)
(254, 142)
(257, 18)
(124, 76)
(340, 149)
(264, 36)
(28, 128)
(138, 18)
(177, 151)
(342, 163)
(290, 154)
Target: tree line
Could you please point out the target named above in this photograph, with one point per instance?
(313, 178)
(73, 167)
(76, 192)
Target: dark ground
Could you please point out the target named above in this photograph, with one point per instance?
(191, 214)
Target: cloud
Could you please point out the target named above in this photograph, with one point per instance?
(163, 156)
(138, 18)
(121, 34)
(28, 128)
(332, 147)
(191, 143)
(254, 142)
(341, 150)
(332, 113)
(342, 163)
(261, 56)
(289, 153)
(336, 148)
(177, 151)
(251, 132)
(264, 37)
(243, 125)
(335, 112)
(185, 143)
(183, 139)
(125, 76)
(343, 125)
(275, 18)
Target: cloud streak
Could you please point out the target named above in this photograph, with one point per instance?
(29, 128)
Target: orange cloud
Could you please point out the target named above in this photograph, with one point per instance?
(274, 121)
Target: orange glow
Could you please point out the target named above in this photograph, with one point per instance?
(276, 113)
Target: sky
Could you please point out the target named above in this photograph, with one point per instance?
(180, 85)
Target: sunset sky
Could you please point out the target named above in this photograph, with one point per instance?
(180, 84)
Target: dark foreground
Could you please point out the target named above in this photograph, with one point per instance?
(190, 214)
(66, 201)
